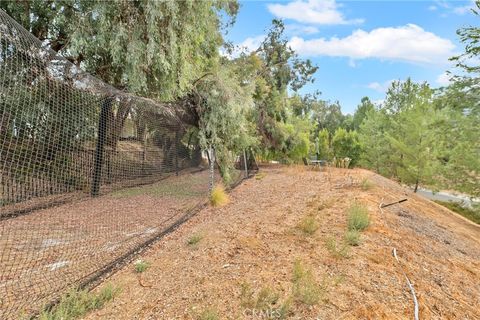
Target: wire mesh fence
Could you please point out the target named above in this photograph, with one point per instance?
(66, 135)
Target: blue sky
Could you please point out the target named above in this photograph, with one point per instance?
(360, 46)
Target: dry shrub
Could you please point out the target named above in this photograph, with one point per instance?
(218, 196)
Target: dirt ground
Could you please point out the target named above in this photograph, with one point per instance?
(249, 247)
(44, 252)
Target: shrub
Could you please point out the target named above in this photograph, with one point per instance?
(193, 240)
(366, 184)
(336, 250)
(209, 314)
(218, 197)
(141, 266)
(352, 237)
(308, 225)
(266, 301)
(305, 287)
(358, 218)
(77, 303)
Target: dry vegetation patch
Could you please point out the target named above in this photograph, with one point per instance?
(257, 258)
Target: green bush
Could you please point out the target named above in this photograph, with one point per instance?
(77, 303)
(352, 237)
(358, 218)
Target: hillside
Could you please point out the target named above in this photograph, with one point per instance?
(253, 255)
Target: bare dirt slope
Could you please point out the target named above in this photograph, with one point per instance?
(252, 244)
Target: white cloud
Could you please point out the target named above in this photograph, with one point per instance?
(298, 29)
(311, 11)
(443, 79)
(432, 8)
(380, 87)
(464, 9)
(408, 43)
(251, 43)
(247, 46)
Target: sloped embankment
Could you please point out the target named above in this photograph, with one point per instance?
(254, 257)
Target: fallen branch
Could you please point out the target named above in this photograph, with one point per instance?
(391, 204)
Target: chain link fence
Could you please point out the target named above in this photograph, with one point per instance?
(65, 137)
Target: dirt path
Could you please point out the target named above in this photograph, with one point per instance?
(44, 252)
(245, 258)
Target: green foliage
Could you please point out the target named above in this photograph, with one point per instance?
(365, 107)
(357, 217)
(352, 237)
(338, 250)
(266, 301)
(76, 304)
(366, 184)
(323, 145)
(305, 287)
(194, 239)
(153, 48)
(346, 144)
(209, 314)
(141, 266)
(308, 225)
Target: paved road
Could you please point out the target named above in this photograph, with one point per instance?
(444, 196)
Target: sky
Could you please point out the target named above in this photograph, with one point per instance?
(361, 46)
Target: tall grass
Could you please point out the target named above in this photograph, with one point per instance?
(77, 303)
(218, 196)
(357, 217)
(305, 287)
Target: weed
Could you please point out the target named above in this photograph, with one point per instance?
(209, 314)
(260, 176)
(352, 237)
(366, 184)
(305, 287)
(338, 251)
(308, 225)
(266, 302)
(141, 266)
(77, 303)
(218, 197)
(357, 217)
(194, 239)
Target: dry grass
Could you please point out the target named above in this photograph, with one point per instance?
(266, 302)
(308, 225)
(338, 250)
(352, 237)
(209, 314)
(218, 196)
(305, 287)
(194, 239)
(366, 184)
(76, 304)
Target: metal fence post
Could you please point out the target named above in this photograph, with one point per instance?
(210, 151)
(245, 163)
(102, 137)
(176, 153)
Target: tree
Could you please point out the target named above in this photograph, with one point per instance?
(375, 146)
(360, 114)
(346, 144)
(150, 48)
(275, 69)
(323, 144)
(414, 138)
